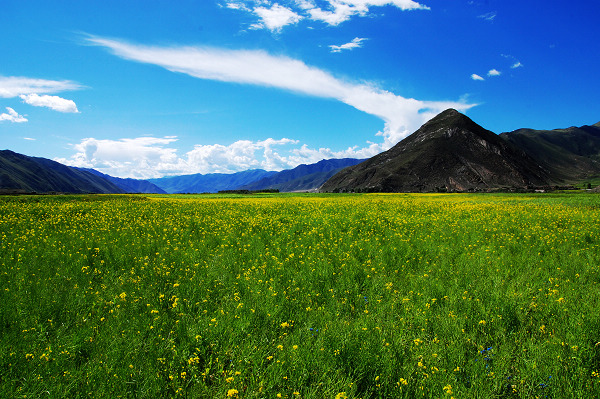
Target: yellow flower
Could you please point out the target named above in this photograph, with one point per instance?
(232, 392)
(285, 324)
(341, 395)
(295, 347)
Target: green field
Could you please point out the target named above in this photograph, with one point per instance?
(300, 296)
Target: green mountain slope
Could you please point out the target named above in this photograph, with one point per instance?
(20, 173)
(570, 155)
(130, 185)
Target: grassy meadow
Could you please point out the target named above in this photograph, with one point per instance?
(300, 296)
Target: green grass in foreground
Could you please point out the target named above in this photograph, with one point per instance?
(330, 296)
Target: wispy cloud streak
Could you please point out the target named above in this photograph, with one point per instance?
(401, 115)
(355, 43)
(14, 86)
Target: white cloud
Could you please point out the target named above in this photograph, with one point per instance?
(29, 90)
(241, 155)
(237, 6)
(141, 157)
(515, 62)
(148, 157)
(12, 116)
(490, 16)
(14, 86)
(305, 4)
(275, 17)
(342, 10)
(53, 102)
(29, 139)
(476, 77)
(401, 115)
(355, 43)
(494, 72)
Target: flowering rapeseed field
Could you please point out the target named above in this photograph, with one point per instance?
(333, 296)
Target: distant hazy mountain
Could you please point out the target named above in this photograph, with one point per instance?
(130, 185)
(209, 183)
(20, 173)
(303, 177)
(448, 153)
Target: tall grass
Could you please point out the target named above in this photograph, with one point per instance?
(332, 296)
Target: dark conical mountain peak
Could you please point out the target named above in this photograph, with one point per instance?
(449, 119)
(448, 153)
(447, 114)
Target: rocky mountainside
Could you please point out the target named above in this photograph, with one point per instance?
(448, 153)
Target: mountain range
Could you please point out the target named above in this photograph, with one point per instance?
(209, 183)
(302, 177)
(23, 174)
(449, 153)
(129, 185)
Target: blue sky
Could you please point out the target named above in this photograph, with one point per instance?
(153, 88)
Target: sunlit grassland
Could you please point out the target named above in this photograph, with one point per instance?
(314, 296)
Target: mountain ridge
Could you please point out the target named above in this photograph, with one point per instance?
(304, 177)
(208, 183)
(22, 173)
(450, 152)
(129, 185)
(569, 154)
